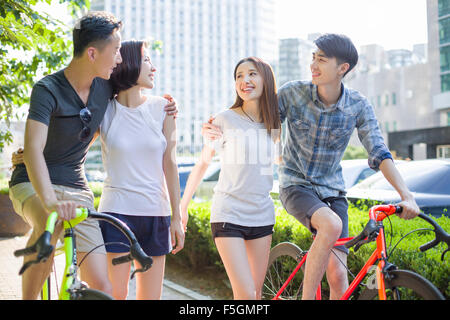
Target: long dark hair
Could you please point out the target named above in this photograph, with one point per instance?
(268, 104)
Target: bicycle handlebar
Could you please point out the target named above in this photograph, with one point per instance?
(380, 212)
(44, 249)
(440, 236)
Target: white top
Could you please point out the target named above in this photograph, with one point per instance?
(246, 151)
(133, 146)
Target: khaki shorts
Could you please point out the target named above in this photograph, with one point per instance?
(88, 234)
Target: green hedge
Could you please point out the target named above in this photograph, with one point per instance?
(200, 252)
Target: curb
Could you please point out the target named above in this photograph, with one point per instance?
(187, 292)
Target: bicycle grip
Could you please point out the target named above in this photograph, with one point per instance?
(429, 245)
(123, 259)
(25, 251)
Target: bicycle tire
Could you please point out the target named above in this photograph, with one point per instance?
(283, 259)
(410, 285)
(91, 294)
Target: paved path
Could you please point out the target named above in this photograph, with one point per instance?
(10, 282)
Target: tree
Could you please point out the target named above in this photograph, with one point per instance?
(31, 44)
(355, 153)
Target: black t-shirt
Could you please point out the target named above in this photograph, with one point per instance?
(55, 103)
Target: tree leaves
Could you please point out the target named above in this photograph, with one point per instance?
(32, 44)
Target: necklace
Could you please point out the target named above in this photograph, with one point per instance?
(247, 115)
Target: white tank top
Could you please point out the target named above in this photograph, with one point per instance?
(133, 146)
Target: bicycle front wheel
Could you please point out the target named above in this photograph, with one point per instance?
(283, 259)
(405, 285)
(90, 294)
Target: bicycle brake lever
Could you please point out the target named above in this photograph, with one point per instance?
(27, 265)
(138, 270)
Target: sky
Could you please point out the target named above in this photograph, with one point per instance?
(393, 24)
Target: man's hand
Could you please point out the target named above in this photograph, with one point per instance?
(64, 208)
(410, 209)
(171, 107)
(17, 157)
(211, 131)
(177, 235)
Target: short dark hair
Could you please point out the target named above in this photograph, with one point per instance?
(95, 28)
(340, 47)
(126, 74)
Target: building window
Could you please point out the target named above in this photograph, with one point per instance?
(386, 99)
(443, 152)
(394, 124)
(394, 98)
(445, 82)
(445, 58)
(448, 118)
(444, 7)
(444, 30)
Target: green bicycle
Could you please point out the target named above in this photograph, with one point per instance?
(71, 287)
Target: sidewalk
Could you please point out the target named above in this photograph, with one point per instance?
(10, 281)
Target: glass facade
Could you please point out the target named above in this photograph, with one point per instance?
(445, 58)
(444, 7)
(445, 82)
(444, 41)
(444, 30)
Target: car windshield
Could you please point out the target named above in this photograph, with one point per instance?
(421, 178)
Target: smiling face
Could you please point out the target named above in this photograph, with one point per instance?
(326, 70)
(146, 77)
(249, 82)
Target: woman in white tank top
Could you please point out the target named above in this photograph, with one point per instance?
(242, 211)
(141, 186)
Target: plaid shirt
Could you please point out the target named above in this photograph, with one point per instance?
(315, 137)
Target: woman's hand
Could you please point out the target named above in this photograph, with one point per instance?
(177, 235)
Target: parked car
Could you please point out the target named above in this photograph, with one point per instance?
(428, 180)
(356, 170)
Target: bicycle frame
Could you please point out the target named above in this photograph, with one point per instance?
(379, 255)
(69, 274)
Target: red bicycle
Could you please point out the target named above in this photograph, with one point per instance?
(284, 277)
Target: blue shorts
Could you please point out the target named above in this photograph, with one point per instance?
(152, 233)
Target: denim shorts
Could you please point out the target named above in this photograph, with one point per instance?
(152, 233)
(230, 230)
(301, 202)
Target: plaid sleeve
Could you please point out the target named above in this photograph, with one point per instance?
(370, 136)
(282, 104)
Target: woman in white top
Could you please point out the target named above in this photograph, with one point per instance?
(138, 143)
(242, 212)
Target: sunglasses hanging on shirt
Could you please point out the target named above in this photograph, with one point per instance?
(86, 117)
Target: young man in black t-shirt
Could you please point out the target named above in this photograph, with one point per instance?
(66, 109)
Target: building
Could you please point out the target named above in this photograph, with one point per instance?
(438, 12)
(294, 59)
(433, 141)
(400, 100)
(202, 42)
(410, 90)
